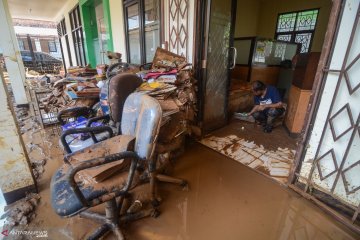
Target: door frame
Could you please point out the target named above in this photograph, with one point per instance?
(203, 8)
(312, 110)
(318, 87)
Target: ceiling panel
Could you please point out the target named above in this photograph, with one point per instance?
(35, 9)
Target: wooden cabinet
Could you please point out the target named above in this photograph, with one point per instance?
(296, 109)
(305, 69)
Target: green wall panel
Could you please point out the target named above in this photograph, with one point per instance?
(87, 9)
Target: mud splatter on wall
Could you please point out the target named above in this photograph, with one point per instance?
(15, 172)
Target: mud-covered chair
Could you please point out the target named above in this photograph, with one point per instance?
(73, 190)
(114, 94)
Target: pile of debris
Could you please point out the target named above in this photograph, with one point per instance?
(22, 114)
(37, 165)
(21, 212)
(171, 82)
(78, 88)
(81, 73)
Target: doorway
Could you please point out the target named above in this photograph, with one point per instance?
(245, 41)
(219, 32)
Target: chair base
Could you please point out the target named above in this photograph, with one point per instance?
(168, 179)
(111, 220)
(155, 178)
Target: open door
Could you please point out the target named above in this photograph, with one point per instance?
(327, 170)
(218, 58)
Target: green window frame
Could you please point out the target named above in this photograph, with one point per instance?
(297, 27)
(87, 11)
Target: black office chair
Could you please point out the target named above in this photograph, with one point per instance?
(73, 192)
(117, 90)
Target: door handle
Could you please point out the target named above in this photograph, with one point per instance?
(234, 58)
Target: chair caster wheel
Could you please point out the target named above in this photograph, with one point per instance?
(144, 178)
(155, 213)
(155, 202)
(185, 185)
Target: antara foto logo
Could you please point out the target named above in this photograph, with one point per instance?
(5, 232)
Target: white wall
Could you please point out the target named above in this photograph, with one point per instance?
(118, 27)
(191, 28)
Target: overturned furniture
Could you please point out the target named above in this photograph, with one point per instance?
(72, 195)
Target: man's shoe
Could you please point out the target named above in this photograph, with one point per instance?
(262, 124)
(267, 129)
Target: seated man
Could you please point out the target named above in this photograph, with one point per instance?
(268, 105)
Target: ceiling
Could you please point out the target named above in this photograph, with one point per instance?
(35, 9)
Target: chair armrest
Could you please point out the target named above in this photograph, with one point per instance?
(74, 112)
(95, 119)
(119, 67)
(97, 162)
(90, 130)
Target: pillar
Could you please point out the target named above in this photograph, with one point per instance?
(11, 52)
(16, 178)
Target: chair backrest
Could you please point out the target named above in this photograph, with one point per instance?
(142, 118)
(115, 91)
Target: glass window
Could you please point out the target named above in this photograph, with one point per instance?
(21, 45)
(306, 20)
(286, 22)
(102, 34)
(64, 41)
(142, 39)
(152, 25)
(52, 46)
(134, 34)
(297, 27)
(77, 34)
(133, 17)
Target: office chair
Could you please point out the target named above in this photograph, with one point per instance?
(73, 192)
(114, 94)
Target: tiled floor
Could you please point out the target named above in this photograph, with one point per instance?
(272, 154)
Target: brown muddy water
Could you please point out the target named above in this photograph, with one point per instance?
(226, 200)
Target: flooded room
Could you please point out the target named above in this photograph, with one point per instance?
(180, 119)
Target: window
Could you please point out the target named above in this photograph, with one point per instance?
(52, 46)
(21, 45)
(143, 29)
(77, 34)
(297, 27)
(102, 36)
(63, 35)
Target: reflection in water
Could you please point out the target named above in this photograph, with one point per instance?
(229, 201)
(226, 201)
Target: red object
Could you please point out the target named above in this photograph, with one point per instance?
(155, 75)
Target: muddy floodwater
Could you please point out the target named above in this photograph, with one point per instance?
(226, 200)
